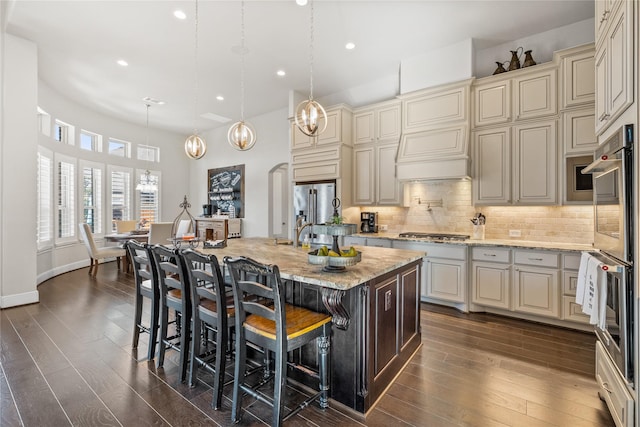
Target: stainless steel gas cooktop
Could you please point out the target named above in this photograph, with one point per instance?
(434, 236)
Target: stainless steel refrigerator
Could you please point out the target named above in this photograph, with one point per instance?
(312, 203)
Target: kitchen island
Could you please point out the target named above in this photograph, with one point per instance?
(375, 306)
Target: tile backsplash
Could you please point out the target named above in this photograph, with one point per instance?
(446, 206)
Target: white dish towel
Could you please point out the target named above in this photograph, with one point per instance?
(591, 291)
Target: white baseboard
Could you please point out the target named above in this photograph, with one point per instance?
(19, 299)
(65, 269)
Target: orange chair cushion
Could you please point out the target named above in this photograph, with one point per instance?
(211, 306)
(299, 321)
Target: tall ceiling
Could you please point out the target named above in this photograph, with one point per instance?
(79, 43)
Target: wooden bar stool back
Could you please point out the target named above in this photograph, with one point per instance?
(263, 318)
(146, 278)
(174, 295)
(210, 311)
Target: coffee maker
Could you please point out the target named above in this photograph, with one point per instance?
(369, 222)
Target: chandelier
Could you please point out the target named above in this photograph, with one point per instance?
(195, 147)
(147, 183)
(241, 135)
(310, 117)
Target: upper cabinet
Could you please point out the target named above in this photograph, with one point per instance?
(534, 95)
(577, 67)
(377, 123)
(338, 131)
(613, 60)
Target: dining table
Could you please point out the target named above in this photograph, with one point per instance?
(122, 238)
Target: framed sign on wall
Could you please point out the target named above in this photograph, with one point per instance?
(225, 188)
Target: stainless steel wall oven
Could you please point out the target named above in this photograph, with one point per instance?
(612, 171)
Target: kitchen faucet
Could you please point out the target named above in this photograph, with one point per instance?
(298, 230)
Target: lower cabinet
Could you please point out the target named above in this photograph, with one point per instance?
(491, 277)
(613, 390)
(445, 279)
(536, 282)
(570, 310)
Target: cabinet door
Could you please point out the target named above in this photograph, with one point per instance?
(446, 279)
(536, 291)
(619, 43)
(579, 131)
(535, 95)
(535, 164)
(578, 79)
(601, 72)
(363, 176)
(388, 122)
(388, 186)
(490, 284)
(299, 139)
(492, 103)
(333, 132)
(492, 173)
(385, 318)
(364, 127)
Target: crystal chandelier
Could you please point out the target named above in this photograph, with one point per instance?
(147, 183)
(241, 135)
(310, 117)
(195, 147)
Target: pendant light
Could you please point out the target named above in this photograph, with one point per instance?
(147, 183)
(310, 117)
(195, 146)
(241, 135)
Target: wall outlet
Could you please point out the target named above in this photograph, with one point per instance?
(383, 227)
(515, 233)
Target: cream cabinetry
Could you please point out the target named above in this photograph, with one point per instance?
(491, 277)
(578, 128)
(578, 86)
(433, 107)
(534, 95)
(377, 123)
(536, 283)
(613, 390)
(570, 310)
(613, 62)
(338, 131)
(522, 170)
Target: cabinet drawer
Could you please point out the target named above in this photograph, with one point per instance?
(571, 261)
(572, 311)
(539, 258)
(613, 390)
(491, 254)
(380, 243)
(447, 251)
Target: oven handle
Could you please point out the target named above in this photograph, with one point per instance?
(607, 264)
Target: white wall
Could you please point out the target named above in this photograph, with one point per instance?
(272, 148)
(18, 172)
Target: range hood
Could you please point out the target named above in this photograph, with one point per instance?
(434, 154)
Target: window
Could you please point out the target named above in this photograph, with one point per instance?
(44, 122)
(63, 132)
(91, 181)
(119, 148)
(120, 192)
(148, 201)
(148, 153)
(44, 214)
(90, 141)
(66, 221)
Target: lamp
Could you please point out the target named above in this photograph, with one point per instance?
(147, 184)
(195, 146)
(241, 135)
(310, 117)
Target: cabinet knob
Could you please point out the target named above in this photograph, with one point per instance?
(535, 259)
(489, 254)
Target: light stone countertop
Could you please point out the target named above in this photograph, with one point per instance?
(294, 264)
(509, 243)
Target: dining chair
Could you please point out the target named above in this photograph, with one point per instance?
(173, 282)
(95, 253)
(211, 311)
(263, 318)
(147, 286)
(183, 227)
(160, 233)
(125, 226)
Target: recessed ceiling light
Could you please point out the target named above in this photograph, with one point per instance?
(301, 2)
(180, 14)
(149, 100)
(220, 98)
(350, 45)
(122, 62)
(281, 73)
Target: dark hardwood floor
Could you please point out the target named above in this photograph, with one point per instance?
(68, 361)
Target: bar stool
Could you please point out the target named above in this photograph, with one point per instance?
(146, 278)
(173, 283)
(209, 310)
(263, 318)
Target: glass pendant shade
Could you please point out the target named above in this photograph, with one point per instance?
(146, 183)
(311, 118)
(241, 136)
(195, 147)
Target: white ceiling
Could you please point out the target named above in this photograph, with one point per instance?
(80, 41)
